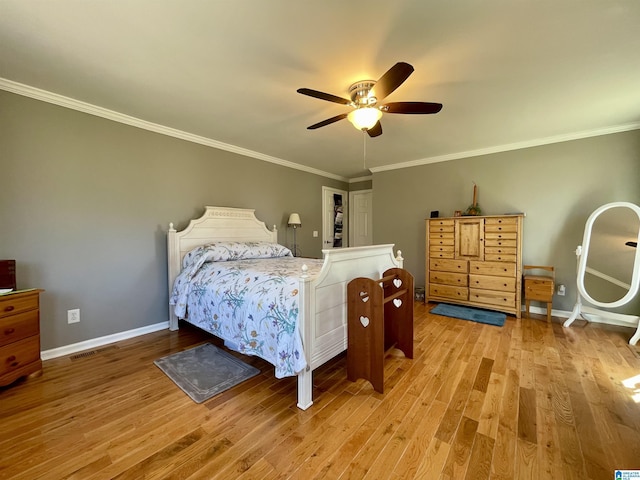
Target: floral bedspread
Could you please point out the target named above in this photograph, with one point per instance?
(252, 303)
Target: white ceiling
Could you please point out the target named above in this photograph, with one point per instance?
(510, 73)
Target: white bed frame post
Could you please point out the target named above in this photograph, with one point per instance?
(305, 377)
(173, 270)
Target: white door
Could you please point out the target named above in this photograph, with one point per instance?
(334, 218)
(360, 219)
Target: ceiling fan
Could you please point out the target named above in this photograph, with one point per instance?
(365, 97)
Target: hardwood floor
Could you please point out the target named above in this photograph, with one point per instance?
(528, 400)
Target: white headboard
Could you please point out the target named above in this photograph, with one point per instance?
(216, 224)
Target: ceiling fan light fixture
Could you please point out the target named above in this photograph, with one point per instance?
(364, 118)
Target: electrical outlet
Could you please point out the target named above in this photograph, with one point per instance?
(73, 316)
(561, 290)
(315, 233)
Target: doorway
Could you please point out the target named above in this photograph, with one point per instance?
(334, 218)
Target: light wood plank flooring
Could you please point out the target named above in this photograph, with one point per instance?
(528, 400)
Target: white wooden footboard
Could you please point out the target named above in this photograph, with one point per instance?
(323, 319)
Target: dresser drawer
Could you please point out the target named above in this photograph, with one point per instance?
(498, 257)
(441, 251)
(490, 297)
(536, 288)
(447, 278)
(495, 236)
(19, 326)
(442, 222)
(441, 239)
(486, 282)
(501, 221)
(500, 229)
(13, 303)
(19, 354)
(504, 250)
(499, 269)
(446, 265)
(448, 291)
(496, 242)
(446, 230)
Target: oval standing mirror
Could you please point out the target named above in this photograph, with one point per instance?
(608, 273)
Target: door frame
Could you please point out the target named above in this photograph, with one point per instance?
(327, 196)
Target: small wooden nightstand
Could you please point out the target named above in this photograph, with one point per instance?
(19, 335)
(539, 288)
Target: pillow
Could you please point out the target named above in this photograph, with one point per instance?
(225, 251)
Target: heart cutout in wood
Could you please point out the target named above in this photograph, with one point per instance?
(397, 282)
(364, 321)
(364, 296)
(397, 302)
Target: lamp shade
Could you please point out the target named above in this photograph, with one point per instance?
(294, 220)
(364, 118)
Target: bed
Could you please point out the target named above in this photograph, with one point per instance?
(320, 312)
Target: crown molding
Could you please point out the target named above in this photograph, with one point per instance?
(60, 100)
(361, 179)
(511, 146)
(67, 102)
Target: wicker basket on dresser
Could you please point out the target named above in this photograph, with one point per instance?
(475, 261)
(19, 335)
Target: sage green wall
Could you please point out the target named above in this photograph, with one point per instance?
(85, 204)
(557, 186)
(364, 185)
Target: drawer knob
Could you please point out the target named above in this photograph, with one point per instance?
(9, 331)
(12, 358)
(9, 308)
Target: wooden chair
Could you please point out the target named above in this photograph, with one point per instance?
(539, 287)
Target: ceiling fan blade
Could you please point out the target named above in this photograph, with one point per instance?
(328, 121)
(324, 96)
(392, 79)
(376, 130)
(411, 107)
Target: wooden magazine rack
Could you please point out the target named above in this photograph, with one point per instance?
(380, 317)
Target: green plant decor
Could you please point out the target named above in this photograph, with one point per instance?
(473, 211)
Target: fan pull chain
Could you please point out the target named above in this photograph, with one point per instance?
(364, 149)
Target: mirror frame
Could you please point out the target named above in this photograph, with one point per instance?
(635, 276)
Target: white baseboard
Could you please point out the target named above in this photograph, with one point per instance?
(590, 317)
(543, 311)
(101, 341)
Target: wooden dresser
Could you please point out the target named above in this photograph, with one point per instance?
(19, 335)
(475, 261)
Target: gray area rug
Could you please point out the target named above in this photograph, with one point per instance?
(204, 371)
(467, 313)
